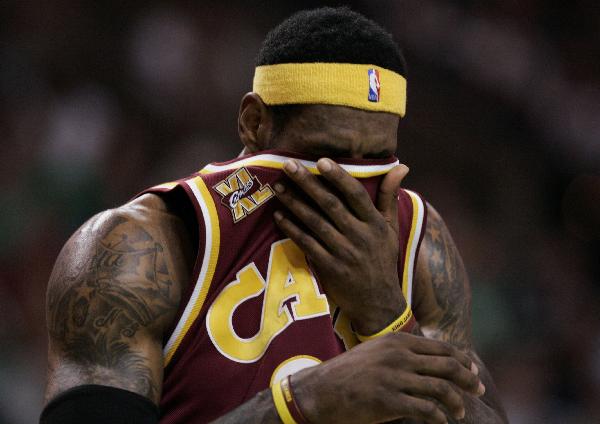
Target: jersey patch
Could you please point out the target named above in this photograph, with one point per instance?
(242, 193)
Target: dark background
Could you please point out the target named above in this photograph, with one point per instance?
(99, 100)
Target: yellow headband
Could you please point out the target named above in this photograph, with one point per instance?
(343, 84)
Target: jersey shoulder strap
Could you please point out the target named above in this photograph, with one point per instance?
(412, 218)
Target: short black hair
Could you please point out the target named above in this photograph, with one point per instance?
(331, 35)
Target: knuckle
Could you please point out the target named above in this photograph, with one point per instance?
(428, 408)
(291, 202)
(350, 254)
(468, 382)
(337, 173)
(355, 255)
(356, 193)
(303, 239)
(446, 349)
(381, 225)
(443, 389)
(450, 396)
(313, 221)
(301, 172)
(456, 353)
(324, 230)
(439, 418)
(453, 367)
(330, 201)
(472, 381)
(381, 393)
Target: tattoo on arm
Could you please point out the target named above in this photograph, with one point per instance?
(444, 270)
(446, 313)
(109, 297)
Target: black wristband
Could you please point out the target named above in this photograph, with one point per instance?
(94, 404)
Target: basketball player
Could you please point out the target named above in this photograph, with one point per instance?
(281, 286)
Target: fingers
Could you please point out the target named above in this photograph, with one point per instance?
(329, 203)
(426, 346)
(450, 369)
(387, 195)
(442, 360)
(422, 409)
(354, 193)
(317, 224)
(311, 247)
(440, 390)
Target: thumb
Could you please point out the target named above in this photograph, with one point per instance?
(387, 195)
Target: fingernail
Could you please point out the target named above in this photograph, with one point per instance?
(324, 165)
(480, 389)
(290, 166)
(461, 414)
(279, 188)
(278, 215)
(474, 368)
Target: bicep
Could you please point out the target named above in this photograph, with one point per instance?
(112, 292)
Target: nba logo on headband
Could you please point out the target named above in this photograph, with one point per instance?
(374, 85)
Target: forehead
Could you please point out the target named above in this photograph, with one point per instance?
(341, 131)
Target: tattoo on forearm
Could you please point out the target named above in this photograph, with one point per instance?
(97, 307)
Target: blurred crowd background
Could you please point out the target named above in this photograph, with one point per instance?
(99, 100)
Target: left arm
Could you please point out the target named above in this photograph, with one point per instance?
(442, 306)
(346, 228)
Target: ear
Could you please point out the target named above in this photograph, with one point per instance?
(255, 123)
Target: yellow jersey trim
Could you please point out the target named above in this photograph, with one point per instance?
(277, 162)
(209, 264)
(411, 246)
(163, 186)
(287, 361)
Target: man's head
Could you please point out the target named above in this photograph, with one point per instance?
(324, 35)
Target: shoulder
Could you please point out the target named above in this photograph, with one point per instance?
(149, 211)
(145, 221)
(114, 292)
(136, 255)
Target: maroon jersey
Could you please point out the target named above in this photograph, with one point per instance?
(254, 312)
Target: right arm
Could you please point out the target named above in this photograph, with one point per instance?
(114, 290)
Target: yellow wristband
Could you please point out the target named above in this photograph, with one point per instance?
(394, 327)
(280, 405)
